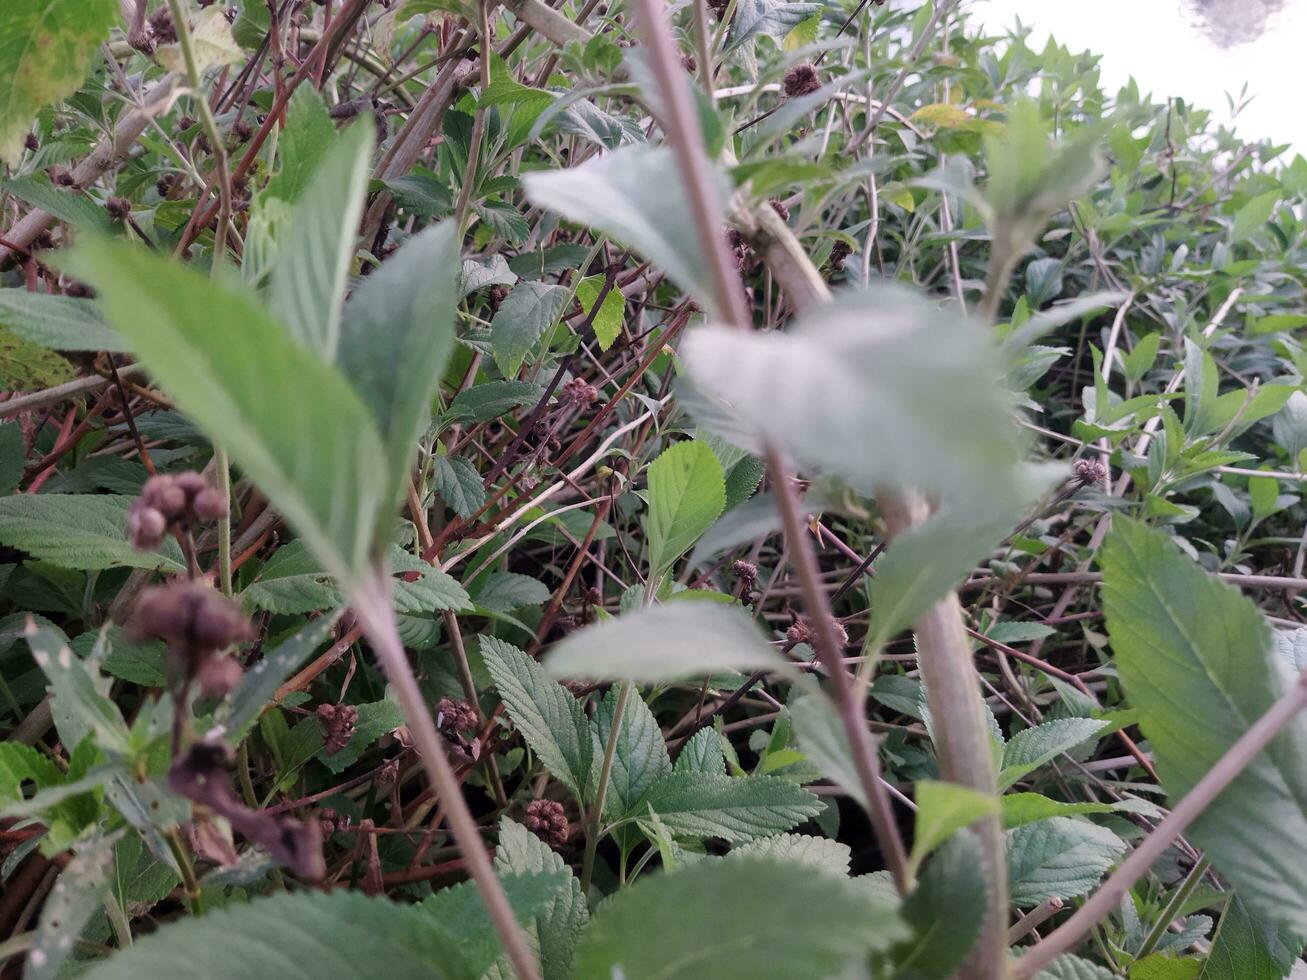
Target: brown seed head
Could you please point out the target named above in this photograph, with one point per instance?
(546, 819)
(801, 80)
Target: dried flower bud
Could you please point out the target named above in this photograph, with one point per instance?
(745, 571)
(779, 207)
(838, 253)
(31, 142)
(61, 177)
(218, 676)
(800, 632)
(146, 526)
(801, 80)
(209, 505)
(192, 619)
(1090, 471)
(163, 494)
(337, 723)
(454, 715)
(496, 296)
(689, 63)
(119, 208)
(740, 249)
(388, 774)
(186, 122)
(77, 289)
(162, 29)
(579, 393)
(546, 819)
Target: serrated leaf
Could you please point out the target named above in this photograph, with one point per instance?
(292, 581)
(1247, 948)
(687, 492)
(56, 322)
(822, 739)
(46, 47)
(458, 483)
(767, 18)
(80, 707)
(522, 319)
(75, 208)
(212, 44)
(639, 757)
(751, 918)
(735, 809)
(28, 367)
(260, 682)
(507, 591)
(289, 420)
(421, 589)
(819, 852)
(311, 269)
(307, 137)
(549, 718)
(607, 322)
(491, 399)
(1058, 858)
(1070, 967)
(662, 643)
(702, 753)
(1028, 750)
(557, 927)
(943, 809)
(1197, 661)
(945, 911)
(86, 531)
(635, 196)
(396, 334)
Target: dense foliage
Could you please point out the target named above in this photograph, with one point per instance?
(753, 488)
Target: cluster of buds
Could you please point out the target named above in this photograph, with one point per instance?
(119, 208)
(332, 821)
(746, 572)
(579, 393)
(802, 632)
(546, 819)
(838, 253)
(453, 715)
(170, 503)
(800, 80)
(337, 722)
(1089, 472)
(197, 624)
(162, 29)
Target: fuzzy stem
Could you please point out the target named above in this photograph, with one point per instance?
(371, 603)
(1239, 756)
(595, 825)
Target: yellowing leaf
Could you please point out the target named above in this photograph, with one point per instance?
(942, 115)
(607, 322)
(803, 33)
(211, 40)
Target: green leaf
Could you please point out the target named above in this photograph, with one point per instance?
(314, 253)
(945, 911)
(27, 367)
(531, 309)
(12, 457)
(1070, 967)
(80, 707)
(735, 809)
(75, 208)
(702, 753)
(942, 810)
(767, 18)
(877, 387)
(820, 852)
(607, 322)
(1023, 808)
(1160, 966)
(288, 420)
(308, 136)
(1248, 220)
(757, 919)
(687, 492)
(634, 196)
(421, 589)
(338, 934)
(86, 531)
(822, 739)
(557, 927)
(663, 643)
(508, 591)
(75, 897)
(1197, 661)
(292, 581)
(639, 758)
(489, 400)
(1058, 858)
(1248, 948)
(458, 483)
(57, 322)
(260, 682)
(1030, 749)
(397, 333)
(549, 718)
(46, 47)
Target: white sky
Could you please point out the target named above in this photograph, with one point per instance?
(1153, 40)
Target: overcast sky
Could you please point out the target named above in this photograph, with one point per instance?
(1154, 41)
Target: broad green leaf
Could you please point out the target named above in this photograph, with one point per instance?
(942, 810)
(292, 581)
(662, 643)
(57, 322)
(75, 897)
(289, 421)
(491, 399)
(80, 707)
(696, 804)
(1160, 966)
(46, 47)
(458, 483)
(820, 852)
(26, 366)
(945, 911)
(77, 209)
(1030, 749)
(87, 531)
(1197, 661)
(308, 136)
(878, 387)
(557, 927)
(420, 588)
(342, 933)
(549, 718)
(1023, 808)
(758, 919)
(1250, 218)
(1070, 967)
(687, 492)
(397, 332)
(634, 196)
(767, 18)
(1248, 948)
(526, 313)
(822, 739)
(702, 753)
(12, 457)
(1058, 858)
(507, 591)
(260, 682)
(607, 321)
(639, 757)
(311, 270)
